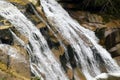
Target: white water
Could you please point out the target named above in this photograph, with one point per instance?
(42, 59)
(80, 39)
(108, 76)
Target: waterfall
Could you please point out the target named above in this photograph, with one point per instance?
(90, 56)
(42, 61)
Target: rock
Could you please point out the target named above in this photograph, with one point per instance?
(41, 25)
(18, 37)
(4, 27)
(70, 73)
(78, 74)
(39, 9)
(22, 2)
(6, 36)
(14, 63)
(7, 76)
(33, 1)
(110, 37)
(112, 41)
(88, 20)
(117, 59)
(108, 33)
(58, 51)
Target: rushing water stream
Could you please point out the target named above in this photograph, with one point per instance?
(42, 59)
(88, 54)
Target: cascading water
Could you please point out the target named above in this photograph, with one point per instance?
(89, 54)
(41, 58)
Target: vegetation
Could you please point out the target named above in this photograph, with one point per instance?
(36, 78)
(111, 7)
(4, 78)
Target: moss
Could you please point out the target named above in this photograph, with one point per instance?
(4, 78)
(36, 78)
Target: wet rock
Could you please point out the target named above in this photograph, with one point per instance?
(6, 36)
(117, 59)
(33, 1)
(22, 2)
(88, 20)
(112, 41)
(29, 9)
(72, 54)
(7, 76)
(12, 62)
(58, 50)
(78, 74)
(70, 73)
(41, 25)
(107, 32)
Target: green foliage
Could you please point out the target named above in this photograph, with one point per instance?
(4, 78)
(110, 7)
(36, 78)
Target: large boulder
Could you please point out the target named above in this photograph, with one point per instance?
(13, 63)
